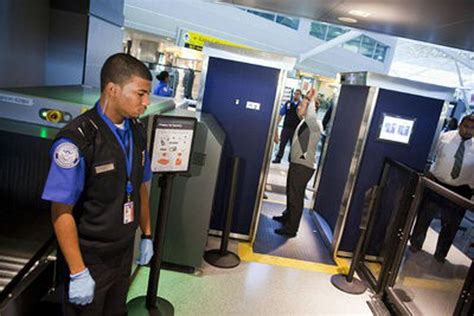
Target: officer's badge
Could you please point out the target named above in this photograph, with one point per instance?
(66, 155)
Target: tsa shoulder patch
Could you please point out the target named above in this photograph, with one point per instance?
(66, 155)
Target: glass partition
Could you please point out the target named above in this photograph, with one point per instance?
(435, 265)
(396, 187)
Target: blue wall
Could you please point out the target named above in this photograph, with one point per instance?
(427, 112)
(342, 141)
(246, 131)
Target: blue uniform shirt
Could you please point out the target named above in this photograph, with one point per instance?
(66, 177)
(162, 89)
(287, 106)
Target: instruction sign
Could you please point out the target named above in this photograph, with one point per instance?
(172, 143)
(396, 129)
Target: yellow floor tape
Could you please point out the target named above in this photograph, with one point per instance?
(342, 266)
(246, 254)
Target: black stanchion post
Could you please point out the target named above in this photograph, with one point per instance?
(156, 305)
(223, 258)
(347, 283)
(155, 267)
(230, 206)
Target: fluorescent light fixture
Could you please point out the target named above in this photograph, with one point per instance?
(360, 13)
(347, 19)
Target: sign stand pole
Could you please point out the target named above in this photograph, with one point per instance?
(151, 303)
(172, 145)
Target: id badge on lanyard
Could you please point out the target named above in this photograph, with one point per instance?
(128, 207)
(128, 212)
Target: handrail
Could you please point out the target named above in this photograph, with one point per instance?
(450, 195)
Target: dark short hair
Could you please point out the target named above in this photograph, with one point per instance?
(468, 117)
(119, 68)
(162, 75)
(299, 91)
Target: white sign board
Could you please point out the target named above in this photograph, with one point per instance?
(172, 143)
(396, 129)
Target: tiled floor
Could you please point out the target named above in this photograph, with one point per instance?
(253, 289)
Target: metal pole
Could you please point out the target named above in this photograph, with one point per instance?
(230, 206)
(155, 264)
(366, 218)
(223, 258)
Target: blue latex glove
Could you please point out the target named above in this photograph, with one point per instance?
(81, 288)
(146, 252)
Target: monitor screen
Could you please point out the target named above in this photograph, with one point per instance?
(396, 128)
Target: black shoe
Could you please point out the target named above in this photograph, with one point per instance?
(265, 196)
(276, 161)
(439, 258)
(413, 248)
(280, 219)
(285, 232)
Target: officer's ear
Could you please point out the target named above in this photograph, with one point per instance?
(111, 89)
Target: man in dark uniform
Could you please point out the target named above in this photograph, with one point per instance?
(96, 184)
(453, 169)
(289, 111)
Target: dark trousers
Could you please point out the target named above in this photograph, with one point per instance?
(285, 137)
(451, 217)
(111, 273)
(298, 177)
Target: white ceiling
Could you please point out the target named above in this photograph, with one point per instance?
(443, 22)
(432, 63)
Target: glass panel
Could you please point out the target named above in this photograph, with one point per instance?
(318, 30)
(397, 184)
(264, 15)
(380, 52)
(335, 31)
(436, 263)
(353, 44)
(288, 21)
(367, 46)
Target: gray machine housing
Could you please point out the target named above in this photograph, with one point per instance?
(192, 194)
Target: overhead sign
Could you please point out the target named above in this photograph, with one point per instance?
(172, 143)
(196, 41)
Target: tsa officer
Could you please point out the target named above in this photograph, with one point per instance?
(163, 89)
(290, 111)
(96, 184)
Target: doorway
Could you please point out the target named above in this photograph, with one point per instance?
(308, 244)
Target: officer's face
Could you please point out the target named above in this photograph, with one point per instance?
(133, 97)
(466, 129)
(297, 96)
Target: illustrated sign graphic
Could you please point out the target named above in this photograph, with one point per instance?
(172, 145)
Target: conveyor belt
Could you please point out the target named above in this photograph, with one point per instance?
(9, 268)
(26, 231)
(22, 244)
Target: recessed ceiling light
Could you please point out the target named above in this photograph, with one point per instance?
(360, 13)
(347, 19)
